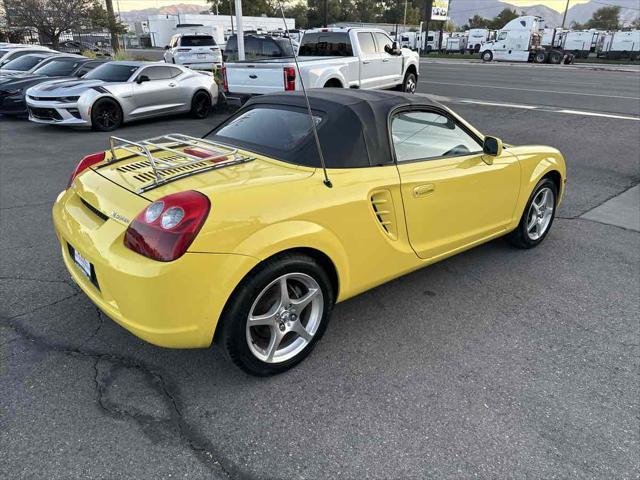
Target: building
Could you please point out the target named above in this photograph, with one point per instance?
(162, 27)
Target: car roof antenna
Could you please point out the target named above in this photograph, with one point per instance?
(326, 180)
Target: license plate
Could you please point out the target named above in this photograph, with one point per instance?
(83, 263)
(202, 55)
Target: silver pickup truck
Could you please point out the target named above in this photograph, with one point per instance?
(328, 57)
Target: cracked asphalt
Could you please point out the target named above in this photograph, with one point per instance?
(497, 363)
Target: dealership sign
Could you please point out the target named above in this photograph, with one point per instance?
(440, 10)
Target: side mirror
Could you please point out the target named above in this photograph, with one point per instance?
(396, 49)
(167, 47)
(492, 146)
(142, 78)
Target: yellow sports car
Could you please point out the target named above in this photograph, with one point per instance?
(239, 237)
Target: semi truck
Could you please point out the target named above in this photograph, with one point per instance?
(521, 40)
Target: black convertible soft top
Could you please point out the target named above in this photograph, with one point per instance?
(354, 127)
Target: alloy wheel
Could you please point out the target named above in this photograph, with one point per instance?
(284, 317)
(410, 84)
(107, 116)
(540, 213)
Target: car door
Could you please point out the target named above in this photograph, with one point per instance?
(500, 46)
(370, 61)
(157, 94)
(453, 194)
(391, 65)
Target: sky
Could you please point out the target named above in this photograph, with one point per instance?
(126, 5)
(557, 5)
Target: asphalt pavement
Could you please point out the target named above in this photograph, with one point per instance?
(496, 363)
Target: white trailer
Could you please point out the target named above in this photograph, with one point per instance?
(476, 37)
(433, 41)
(617, 45)
(455, 44)
(578, 42)
(410, 40)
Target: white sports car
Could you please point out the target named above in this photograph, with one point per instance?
(118, 92)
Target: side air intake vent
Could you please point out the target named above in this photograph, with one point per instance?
(382, 204)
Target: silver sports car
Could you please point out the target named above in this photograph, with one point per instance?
(118, 92)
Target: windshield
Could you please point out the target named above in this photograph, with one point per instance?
(326, 44)
(198, 41)
(110, 72)
(58, 68)
(24, 63)
(267, 130)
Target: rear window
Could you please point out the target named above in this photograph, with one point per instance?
(258, 48)
(326, 44)
(110, 72)
(61, 67)
(24, 63)
(268, 130)
(198, 41)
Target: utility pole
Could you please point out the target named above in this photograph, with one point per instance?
(115, 43)
(428, 5)
(240, 35)
(326, 13)
(564, 17)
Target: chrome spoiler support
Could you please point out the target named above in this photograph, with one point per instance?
(212, 152)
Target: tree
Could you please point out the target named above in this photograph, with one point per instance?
(477, 22)
(50, 17)
(605, 18)
(504, 17)
(99, 17)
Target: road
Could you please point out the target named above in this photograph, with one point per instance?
(583, 88)
(496, 363)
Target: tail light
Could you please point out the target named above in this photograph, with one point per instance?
(289, 79)
(225, 84)
(85, 163)
(164, 230)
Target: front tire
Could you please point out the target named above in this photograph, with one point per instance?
(201, 105)
(276, 315)
(487, 56)
(410, 83)
(106, 115)
(537, 217)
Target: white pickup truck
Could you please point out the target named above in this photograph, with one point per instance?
(328, 57)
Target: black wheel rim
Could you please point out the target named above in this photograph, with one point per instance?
(201, 105)
(107, 115)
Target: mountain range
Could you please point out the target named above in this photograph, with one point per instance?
(461, 11)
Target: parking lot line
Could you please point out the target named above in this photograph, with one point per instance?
(532, 90)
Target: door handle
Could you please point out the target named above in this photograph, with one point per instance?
(385, 60)
(172, 84)
(423, 190)
(366, 62)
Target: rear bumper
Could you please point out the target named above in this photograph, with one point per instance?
(174, 304)
(238, 99)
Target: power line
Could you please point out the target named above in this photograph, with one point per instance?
(612, 5)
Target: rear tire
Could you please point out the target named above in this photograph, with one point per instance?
(259, 326)
(537, 217)
(487, 56)
(555, 57)
(201, 105)
(106, 115)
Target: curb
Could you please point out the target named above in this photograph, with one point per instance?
(580, 66)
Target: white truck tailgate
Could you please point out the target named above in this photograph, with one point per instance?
(255, 78)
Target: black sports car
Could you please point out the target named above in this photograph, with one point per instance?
(13, 88)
